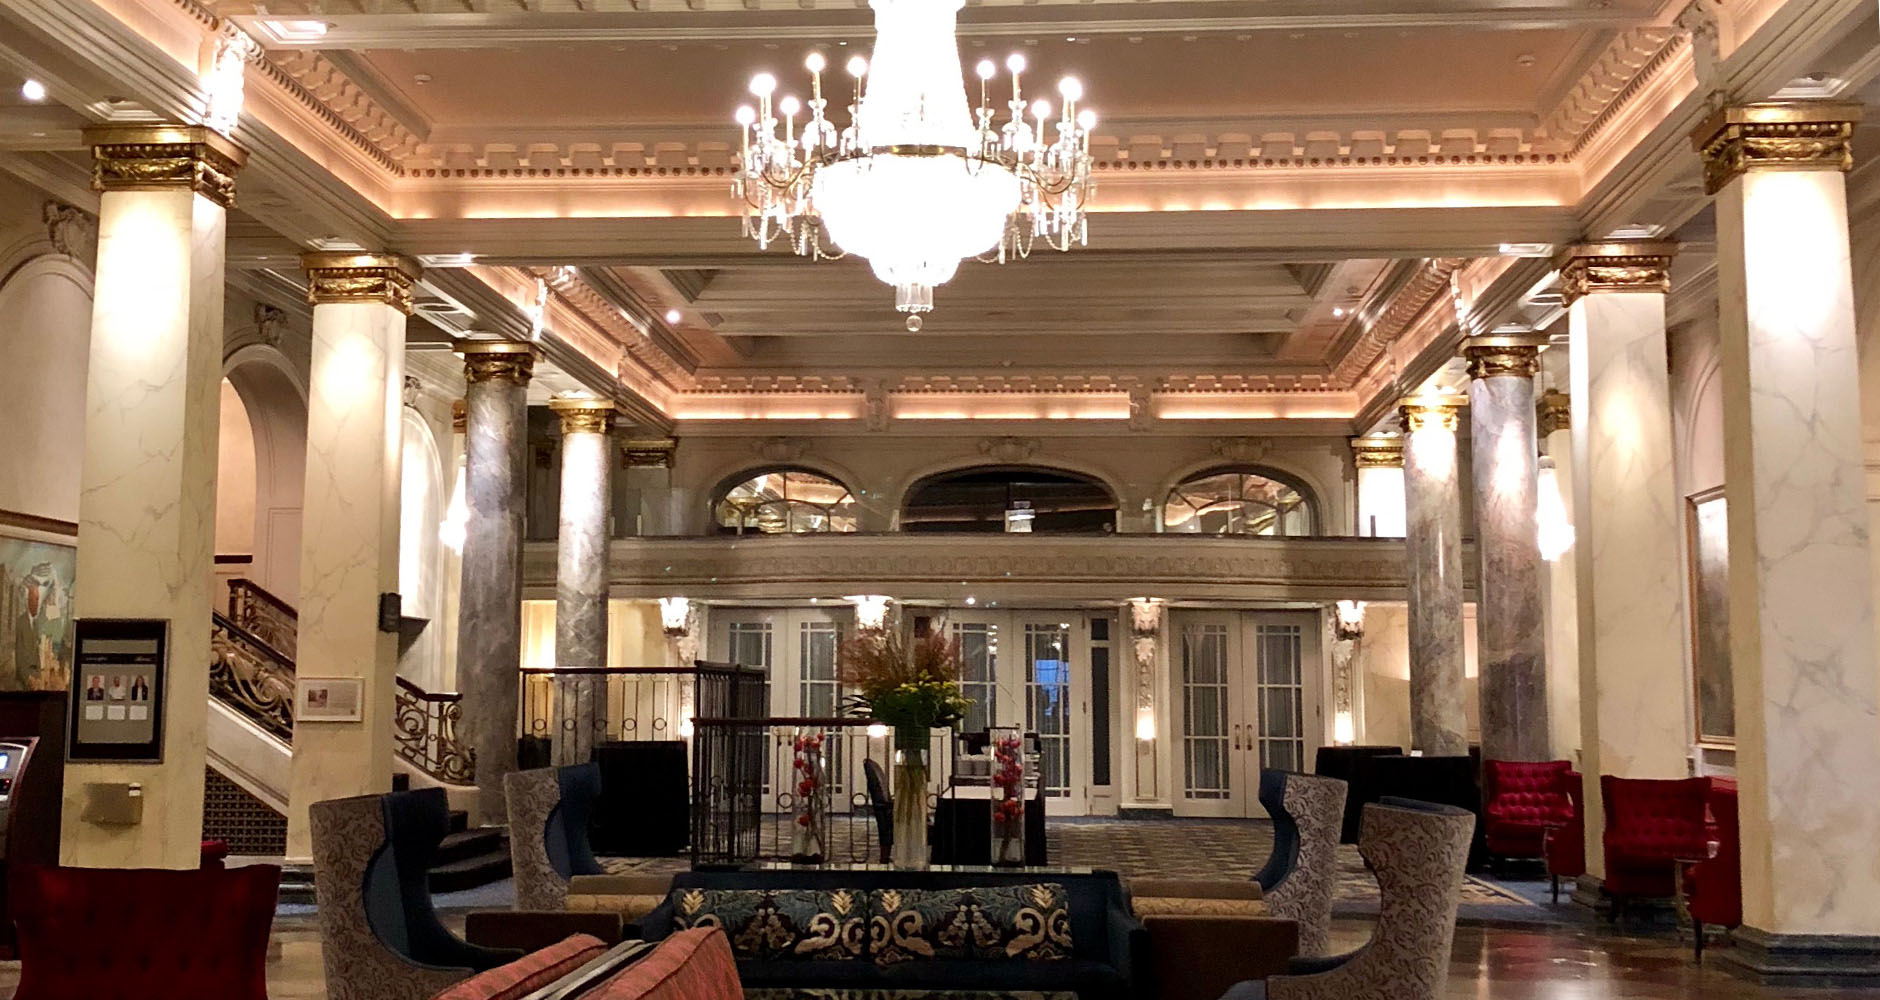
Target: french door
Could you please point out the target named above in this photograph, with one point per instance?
(796, 650)
(1031, 669)
(1245, 697)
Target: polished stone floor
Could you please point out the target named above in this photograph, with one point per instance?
(1534, 963)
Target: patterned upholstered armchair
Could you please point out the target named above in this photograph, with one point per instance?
(1418, 850)
(548, 831)
(379, 935)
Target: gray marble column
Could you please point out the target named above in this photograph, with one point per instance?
(581, 574)
(489, 624)
(1510, 619)
(1433, 550)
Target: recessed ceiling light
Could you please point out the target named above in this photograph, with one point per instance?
(421, 79)
(296, 30)
(1338, 312)
(672, 315)
(33, 90)
(1524, 59)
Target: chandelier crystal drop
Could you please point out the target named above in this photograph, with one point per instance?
(919, 180)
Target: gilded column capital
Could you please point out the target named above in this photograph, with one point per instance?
(346, 276)
(1553, 411)
(1431, 412)
(1496, 355)
(583, 414)
(459, 415)
(497, 360)
(1377, 452)
(155, 157)
(1776, 135)
(1633, 266)
(650, 453)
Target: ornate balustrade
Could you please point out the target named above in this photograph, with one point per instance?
(264, 616)
(427, 726)
(997, 567)
(252, 677)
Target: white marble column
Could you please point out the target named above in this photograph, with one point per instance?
(489, 624)
(587, 455)
(1633, 698)
(1510, 619)
(350, 523)
(1801, 576)
(146, 512)
(1554, 427)
(1379, 461)
(1439, 724)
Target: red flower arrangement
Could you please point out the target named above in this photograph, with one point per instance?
(1008, 807)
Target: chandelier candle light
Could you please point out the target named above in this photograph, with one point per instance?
(918, 181)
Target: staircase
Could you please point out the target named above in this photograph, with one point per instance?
(251, 731)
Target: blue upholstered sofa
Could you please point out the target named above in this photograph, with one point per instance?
(1069, 932)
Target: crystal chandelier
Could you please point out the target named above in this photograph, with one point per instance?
(918, 181)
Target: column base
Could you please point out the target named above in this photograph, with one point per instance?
(1145, 810)
(1803, 959)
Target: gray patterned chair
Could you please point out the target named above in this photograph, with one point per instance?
(380, 938)
(1418, 850)
(548, 839)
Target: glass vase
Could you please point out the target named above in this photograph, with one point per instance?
(1006, 745)
(810, 822)
(910, 798)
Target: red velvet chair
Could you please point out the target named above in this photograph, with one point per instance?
(1652, 826)
(144, 934)
(1564, 846)
(1713, 888)
(1520, 801)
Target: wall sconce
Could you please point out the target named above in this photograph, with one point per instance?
(1342, 732)
(871, 610)
(1349, 623)
(1550, 512)
(674, 615)
(1145, 724)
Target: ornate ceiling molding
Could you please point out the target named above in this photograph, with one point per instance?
(594, 307)
(1626, 65)
(1429, 286)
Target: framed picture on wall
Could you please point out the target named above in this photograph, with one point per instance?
(328, 699)
(38, 562)
(1707, 540)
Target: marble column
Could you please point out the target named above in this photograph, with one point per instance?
(146, 510)
(1380, 485)
(1439, 723)
(587, 453)
(1510, 619)
(1801, 576)
(350, 523)
(1630, 572)
(489, 623)
(1553, 424)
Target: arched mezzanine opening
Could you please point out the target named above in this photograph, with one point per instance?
(1241, 500)
(997, 498)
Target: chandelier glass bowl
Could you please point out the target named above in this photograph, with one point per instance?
(918, 180)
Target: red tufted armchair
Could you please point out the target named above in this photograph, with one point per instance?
(144, 934)
(1713, 888)
(1565, 845)
(1520, 801)
(1652, 826)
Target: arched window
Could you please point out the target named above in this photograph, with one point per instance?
(1043, 501)
(1238, 502)
(786, 502)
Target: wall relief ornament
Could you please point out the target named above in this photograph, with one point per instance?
(497, 360)
(342, 276)
(780, 449)
(71, 231)
(649, 453)
(1239, 449)
(1141, 415)
(1779, 135)
(414, 390)
(1553, 411)
(1008, 449)
(155, 157)
(1641, 266)
(270, 324)
(875, 413)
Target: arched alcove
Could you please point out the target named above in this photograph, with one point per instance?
(275, 405)
(988, 498)
(420, 550)
(45, 338)
(1240, 500)
(784, 500)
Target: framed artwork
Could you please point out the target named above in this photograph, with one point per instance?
(120, 666)
(1707, 540)
(37, 569)
(328, 699)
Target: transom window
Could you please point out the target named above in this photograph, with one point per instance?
(786, 502)
(1236, 502)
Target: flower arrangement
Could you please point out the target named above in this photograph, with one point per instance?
(1008, 797)
(912, 687)
(811, 798)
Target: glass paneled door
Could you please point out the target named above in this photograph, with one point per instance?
(1245, 697)
(1031, 669)
(796, 649)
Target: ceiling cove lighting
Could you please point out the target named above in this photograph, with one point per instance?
(918, 181)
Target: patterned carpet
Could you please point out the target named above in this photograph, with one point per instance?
(1190, 848)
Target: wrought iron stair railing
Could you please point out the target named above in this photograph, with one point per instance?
(426, 734)
(252, 677)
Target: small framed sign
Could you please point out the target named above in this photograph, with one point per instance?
(328, 699)
(120, 667)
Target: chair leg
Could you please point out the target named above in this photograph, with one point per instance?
(1556, 880)
(1697, 928)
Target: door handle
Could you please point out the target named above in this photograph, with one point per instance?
(1237, 737)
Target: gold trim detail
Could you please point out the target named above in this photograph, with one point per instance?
(1553, 411)
(650, 453)
(1498, 360)
(1432, 412)
(459, 416)
(497, 360)
(581, 415)
(157, 157)
(1644, 266)
(1783, 135)
(1377, 452)
(360, 277)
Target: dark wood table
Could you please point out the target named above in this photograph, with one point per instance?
(962, 827)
